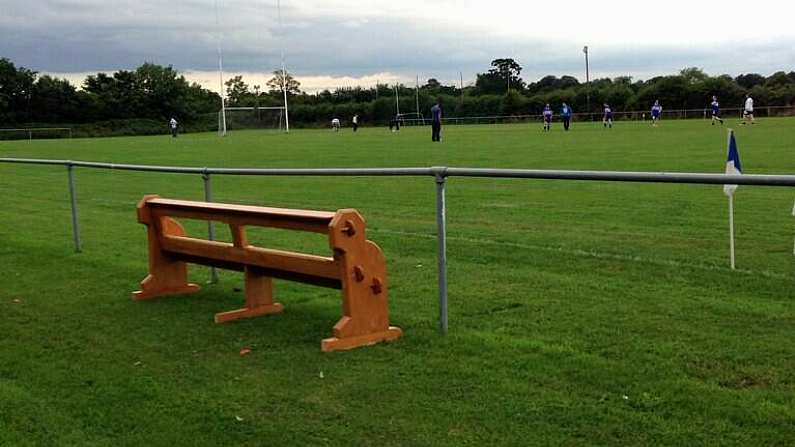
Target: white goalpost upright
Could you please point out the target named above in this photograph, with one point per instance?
(284, 69)
(397, 101)
(222, 116)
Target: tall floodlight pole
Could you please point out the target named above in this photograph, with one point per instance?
(587, 79)
(284, 69)
(222, 123)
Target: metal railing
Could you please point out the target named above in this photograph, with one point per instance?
(438, 173)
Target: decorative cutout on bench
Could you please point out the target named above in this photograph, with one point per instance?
(357, 267)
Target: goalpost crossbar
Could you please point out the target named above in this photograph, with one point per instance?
(255, 108)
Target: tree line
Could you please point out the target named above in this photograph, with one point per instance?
(149, 92)
(154, 93)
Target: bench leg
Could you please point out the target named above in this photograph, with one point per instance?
(259, 298)
(166, 277)
(351, 342)
(365, 304)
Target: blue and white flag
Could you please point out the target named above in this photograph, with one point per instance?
(733, 166)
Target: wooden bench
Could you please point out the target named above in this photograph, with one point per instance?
(357, 266)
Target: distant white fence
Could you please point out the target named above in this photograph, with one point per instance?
(633, 115)
(28, 132)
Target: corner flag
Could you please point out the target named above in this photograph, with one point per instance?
(733, 166)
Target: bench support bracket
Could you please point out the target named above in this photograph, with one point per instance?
(259, 298)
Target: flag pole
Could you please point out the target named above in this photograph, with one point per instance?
(731, 228)
(793, 215)
(731, 210)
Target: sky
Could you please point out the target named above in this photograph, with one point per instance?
(333, 43)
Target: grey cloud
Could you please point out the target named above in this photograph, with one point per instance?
(77, 36)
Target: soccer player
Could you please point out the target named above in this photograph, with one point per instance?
(565, 113)
(607, 119)
(394, 123)
(335, 124)
(748, 114)
(436, 121)
(656, 113)
(716, 111)
(547, 118)
(355, 122)
(173, 125)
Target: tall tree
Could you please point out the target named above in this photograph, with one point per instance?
(236, 90)
(750, 80)
(16, 88)
(117, 96)
(276, 84)
(508, 70)
(163, 90)
(503, 76)
(693, 75)
(54, 100)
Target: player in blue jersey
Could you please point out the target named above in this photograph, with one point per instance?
(565, 113)
(716, 111)
(607, 119)
(656, 113)
(547, 118)
(436, 121)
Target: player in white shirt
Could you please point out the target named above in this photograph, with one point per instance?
(748, 113)
(173, 125)
(335, 124)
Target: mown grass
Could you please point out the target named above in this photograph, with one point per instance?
(580, 313)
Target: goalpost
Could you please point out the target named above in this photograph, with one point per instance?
(411, 118)
(224, 114)
(236, 118)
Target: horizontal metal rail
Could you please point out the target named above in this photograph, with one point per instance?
(626, 176)
(439, 173)
(435, 171)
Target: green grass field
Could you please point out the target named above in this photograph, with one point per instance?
(580, 313)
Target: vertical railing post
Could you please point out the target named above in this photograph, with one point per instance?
(70, 169)
(208, 197)
(441, 224)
